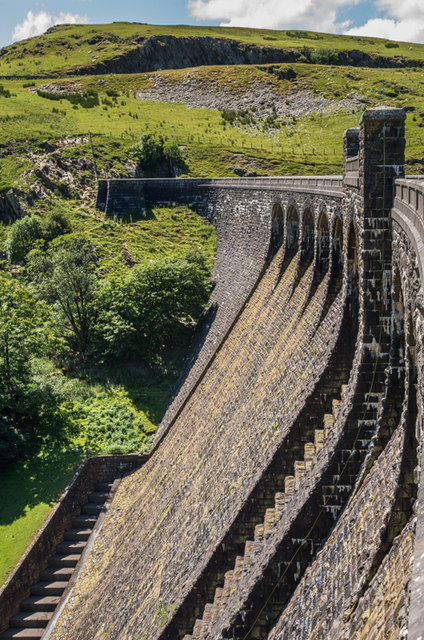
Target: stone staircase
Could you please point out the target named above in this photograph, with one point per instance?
(262, 531)
(37, 610)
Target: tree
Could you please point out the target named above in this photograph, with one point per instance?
(65, 276)
(25, 333)
(21, 238)
(158, 158)
(155, 305)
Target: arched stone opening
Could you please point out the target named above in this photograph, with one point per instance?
(323, 237)
(412, 345)
(292, 230)
(352, 272)
(398, 305)
(352, 254)
(337, 242)
(307, 235)
(277, 229)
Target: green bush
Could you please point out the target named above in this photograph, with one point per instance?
(109, 423)
(324, 56)
(54, 224)
(154, 306)
(391, 45)
(157, 157)
(65, 276)
(21, 238)
(88, 99)
(27, 408)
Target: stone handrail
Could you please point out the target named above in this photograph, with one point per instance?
(408, 212)
(332, 184)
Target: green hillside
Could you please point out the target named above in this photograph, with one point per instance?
(70, 47)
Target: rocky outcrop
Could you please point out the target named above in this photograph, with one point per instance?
(171, 52)
(10, 207)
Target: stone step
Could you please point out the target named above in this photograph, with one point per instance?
(85, 521)
(269, 522)
(299, 472)
(71, 547)
(104, 487)
(207, 615)
(197, 628)
(40, 603)
(64, 560)
(259, 533)
(98, 497)
(57, 573)
(31, 619)
(318, 439)
(77, 534)
(289, 485)
(309, 453)
(328, 423)
(280, 503)
(92, 509)
(22, 634)
(335, 405)
(49, 588)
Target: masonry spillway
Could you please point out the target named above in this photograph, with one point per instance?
(168, 518)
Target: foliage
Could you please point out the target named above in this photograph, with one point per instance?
(109, 423)
(21, 238)
(30, 232)
(154, 306)
(87, 100)
(54, 223)
(156, 156)
(324, 56)
(65, 275)
(5, 93)
(25, 332)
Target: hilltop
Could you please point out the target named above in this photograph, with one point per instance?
(136, 48)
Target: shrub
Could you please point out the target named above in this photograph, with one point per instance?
(65, 275)
(21, 238)
(324, 56)
(156, 157)
(154, 306)
(109, 423)
(54, 224)
(88, 99)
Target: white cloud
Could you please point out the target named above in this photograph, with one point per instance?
(37, 23)
(399, 19)
(317, 15)
(405, 30)
(404, 21)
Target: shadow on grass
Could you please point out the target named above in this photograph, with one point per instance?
(149, 388)
(28, 483)
(135, 215)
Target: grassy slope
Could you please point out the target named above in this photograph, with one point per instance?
(73, 46)
(28, 492)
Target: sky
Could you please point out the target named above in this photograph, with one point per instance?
(394, 19)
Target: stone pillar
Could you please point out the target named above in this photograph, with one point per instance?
(350, 157)
(381, 160)
(351, 143)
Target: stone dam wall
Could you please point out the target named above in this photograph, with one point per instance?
(283, 496)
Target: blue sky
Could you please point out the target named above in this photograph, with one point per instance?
(397, 19)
